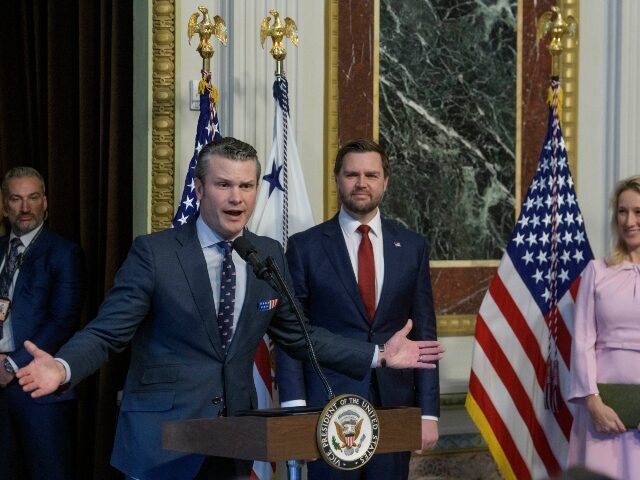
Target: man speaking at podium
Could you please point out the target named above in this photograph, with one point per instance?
(193, 312)
(362, 276)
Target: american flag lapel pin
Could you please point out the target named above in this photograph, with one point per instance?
(397, 244)
(266, 305)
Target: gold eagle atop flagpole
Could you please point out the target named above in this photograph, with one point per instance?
(278, 31)
(553, 21)
(205, 29)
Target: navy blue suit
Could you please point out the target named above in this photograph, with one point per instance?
(162, 302)
(45, 308)
(327, 289)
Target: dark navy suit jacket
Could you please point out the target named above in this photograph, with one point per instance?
(45, 308)
(327, 288)
(162, 302)
(48, 295)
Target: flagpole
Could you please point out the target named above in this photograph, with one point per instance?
(554, 23)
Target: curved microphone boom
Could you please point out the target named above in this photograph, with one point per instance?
(269, 271)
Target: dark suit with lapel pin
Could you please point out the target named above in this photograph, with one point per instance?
(327, 288)
(45, 307)
(162, 302)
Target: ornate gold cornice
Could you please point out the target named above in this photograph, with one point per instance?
(163, 114)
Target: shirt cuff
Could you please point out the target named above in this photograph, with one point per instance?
(67, 370)
(13, 364)
(429, 417)
(293, 403)
(374, 361)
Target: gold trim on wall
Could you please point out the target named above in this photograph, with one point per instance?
(464, 263)
(330, 107)
(569, 80)
(163, 114)
(376, 70)
(456, 325)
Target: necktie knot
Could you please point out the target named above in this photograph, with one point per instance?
(364, 229)
(226, 246)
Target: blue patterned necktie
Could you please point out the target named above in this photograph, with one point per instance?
(11, 264)
(227, 295)
(10, 267)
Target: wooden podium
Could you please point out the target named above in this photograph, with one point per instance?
(282, 437)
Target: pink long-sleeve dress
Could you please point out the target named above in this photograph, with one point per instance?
(606, 349)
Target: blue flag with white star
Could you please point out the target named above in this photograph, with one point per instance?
(282, 206)
(208, 129)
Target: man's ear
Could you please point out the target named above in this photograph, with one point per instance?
(199, 187)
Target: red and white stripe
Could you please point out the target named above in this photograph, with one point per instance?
(506, 388)
(263, 380)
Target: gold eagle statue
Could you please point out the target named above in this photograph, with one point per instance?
(278, 32)
(205, 29)
(552, 21)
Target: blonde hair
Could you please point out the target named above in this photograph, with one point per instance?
(620, 251)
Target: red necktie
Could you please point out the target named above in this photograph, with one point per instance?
(367, 272)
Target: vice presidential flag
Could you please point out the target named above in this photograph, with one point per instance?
(522, 347)
(282, 209)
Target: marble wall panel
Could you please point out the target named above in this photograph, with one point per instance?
(447, 119)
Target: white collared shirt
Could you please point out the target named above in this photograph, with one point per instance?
(352, 238)
(7, 343)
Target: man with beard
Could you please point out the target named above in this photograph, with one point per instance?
(363, 276)
(41, 287)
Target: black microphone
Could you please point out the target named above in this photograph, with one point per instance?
(250, 255)
(269, 271)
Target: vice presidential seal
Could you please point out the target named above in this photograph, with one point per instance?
(348, 432)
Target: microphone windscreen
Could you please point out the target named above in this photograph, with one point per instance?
(243, 247)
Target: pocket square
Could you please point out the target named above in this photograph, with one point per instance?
(266, 305)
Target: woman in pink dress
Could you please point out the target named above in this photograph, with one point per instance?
(606, 345)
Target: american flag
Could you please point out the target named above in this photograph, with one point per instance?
(522, 348)
(208, 129)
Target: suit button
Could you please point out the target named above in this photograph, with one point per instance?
(216, 400)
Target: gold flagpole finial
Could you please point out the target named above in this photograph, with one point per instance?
(554, 22)
(277, 32)
(205, 29)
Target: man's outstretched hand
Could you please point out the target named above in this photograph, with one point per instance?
(43, 375)
(400, 352)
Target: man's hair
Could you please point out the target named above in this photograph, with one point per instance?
(620, 249)
(20, 172)
(227, 147)
(361, 145)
